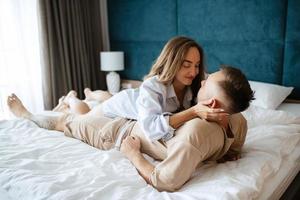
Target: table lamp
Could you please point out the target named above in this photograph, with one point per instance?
(112, 61)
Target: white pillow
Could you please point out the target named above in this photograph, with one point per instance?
(267, 95)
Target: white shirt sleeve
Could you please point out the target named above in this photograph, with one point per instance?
(151, 116)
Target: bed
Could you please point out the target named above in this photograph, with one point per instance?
(40, 164)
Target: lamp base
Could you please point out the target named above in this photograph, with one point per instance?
(113, 82)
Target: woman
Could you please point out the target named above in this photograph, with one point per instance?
(170, 87)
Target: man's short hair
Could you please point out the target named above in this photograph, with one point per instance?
(236, 88)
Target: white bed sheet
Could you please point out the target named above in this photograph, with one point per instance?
(290, 107)
(41, 164)
(275, 186)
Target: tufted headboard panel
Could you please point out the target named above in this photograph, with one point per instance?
(261, 37)
(291, 67)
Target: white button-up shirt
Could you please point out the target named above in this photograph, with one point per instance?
(151, 105)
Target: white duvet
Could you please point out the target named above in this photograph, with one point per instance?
(41, 164)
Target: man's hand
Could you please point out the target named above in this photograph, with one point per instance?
(131, 147)
(218, 115)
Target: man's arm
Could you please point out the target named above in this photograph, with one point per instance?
(184, 153)
(131, 148)
(171, 173)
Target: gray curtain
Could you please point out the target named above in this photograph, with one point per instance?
(73, 32)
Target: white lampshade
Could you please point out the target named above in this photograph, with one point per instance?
(112, 60)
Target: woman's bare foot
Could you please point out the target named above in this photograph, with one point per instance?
(71, 94)
(61, 106)
(97, 95)
(61, 99)
(16, 107)
(87, 93)
(64, 108)
(63, 102)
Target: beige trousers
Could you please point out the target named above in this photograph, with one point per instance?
(99, 132)
(194, 142)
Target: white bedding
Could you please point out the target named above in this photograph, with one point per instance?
(41, 164)
(290, 107)
(275, 186)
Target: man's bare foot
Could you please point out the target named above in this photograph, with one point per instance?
(97, 95)
(16, 107)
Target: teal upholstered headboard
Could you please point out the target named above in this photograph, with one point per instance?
(261, 37)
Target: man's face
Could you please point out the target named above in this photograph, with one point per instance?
(210, 89)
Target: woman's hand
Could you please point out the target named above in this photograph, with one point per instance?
(217, 115)
(130, 146)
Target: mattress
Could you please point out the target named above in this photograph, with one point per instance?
(42, 164)
(276, 185)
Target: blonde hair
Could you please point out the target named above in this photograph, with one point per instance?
(171, 59)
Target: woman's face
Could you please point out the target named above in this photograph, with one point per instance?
(189, 68)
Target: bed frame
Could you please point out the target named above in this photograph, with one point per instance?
(293, 191)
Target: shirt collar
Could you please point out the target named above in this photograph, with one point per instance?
(189, 94)
(171, 93)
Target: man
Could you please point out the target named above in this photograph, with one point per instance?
(194, 142)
